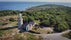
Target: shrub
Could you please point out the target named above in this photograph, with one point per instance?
(12, 19)
(61, 27)
(25, 19)
(49, 31)
(45, 23)
(3, 23)
(67, 34)
(30, 18)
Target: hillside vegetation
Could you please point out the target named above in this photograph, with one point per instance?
(56, 16)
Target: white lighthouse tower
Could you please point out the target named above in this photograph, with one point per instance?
(20, 21)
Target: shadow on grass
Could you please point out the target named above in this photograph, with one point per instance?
(7, 28)
(29, 31)
(33, 32)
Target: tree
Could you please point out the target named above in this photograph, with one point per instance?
(45, 23)
(61, 27)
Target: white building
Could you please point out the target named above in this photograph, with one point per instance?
(25, 26)
(29, 26)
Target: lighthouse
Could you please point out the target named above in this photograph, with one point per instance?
(24, 26)
(20, 21)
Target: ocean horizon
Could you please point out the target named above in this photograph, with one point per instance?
(26, 5)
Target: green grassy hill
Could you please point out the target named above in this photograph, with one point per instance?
(56, 16)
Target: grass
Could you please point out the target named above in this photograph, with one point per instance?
(8, 31)
(18, 37)
(31, 37)
(67, 35)
(1, 33)
(26, 36)
(42, 31)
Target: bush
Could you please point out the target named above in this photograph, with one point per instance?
(49, 31)
(31, 18)
(3, 23)
(67, 34)
(61, 27)
(12, 19)
(27, 19)
(45, 23)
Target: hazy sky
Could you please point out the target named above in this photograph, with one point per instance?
(68, 1)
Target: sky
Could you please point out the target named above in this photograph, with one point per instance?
(66, 1)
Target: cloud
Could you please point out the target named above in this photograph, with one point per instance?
(40, 0)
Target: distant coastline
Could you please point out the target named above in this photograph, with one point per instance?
(26, 5)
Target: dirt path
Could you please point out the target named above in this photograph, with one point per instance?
(55, 36)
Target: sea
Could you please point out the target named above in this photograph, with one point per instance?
(26, 5)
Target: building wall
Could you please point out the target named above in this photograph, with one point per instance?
(29, 26)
